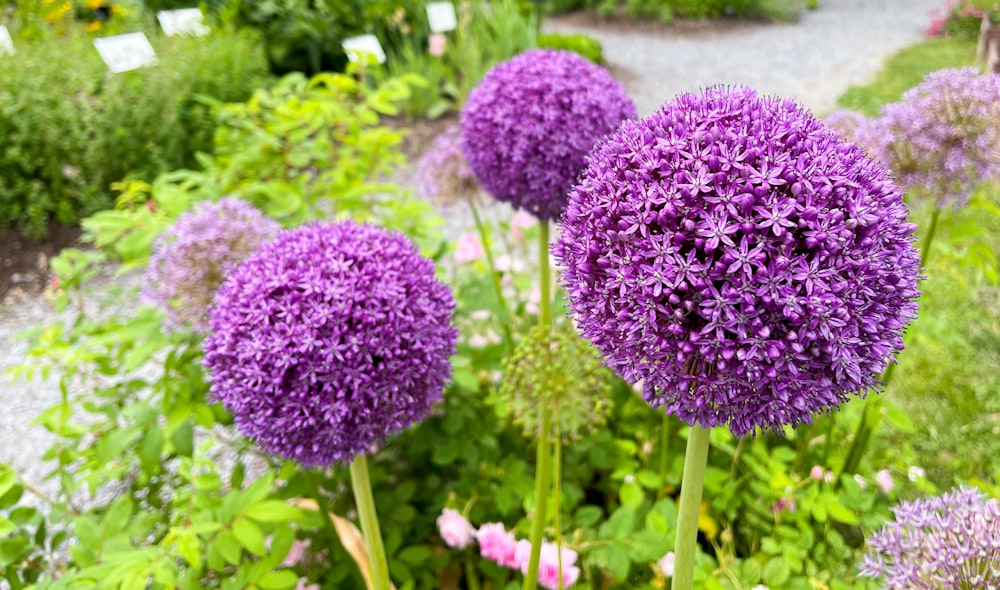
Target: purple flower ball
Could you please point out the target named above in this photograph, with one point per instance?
(193, 256)
(443, 175)
(528, 126)
(328, 340)
(949, 541)
(943, 138)
(740, 259)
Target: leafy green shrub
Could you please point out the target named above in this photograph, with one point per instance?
(69, 129)
(666, 10)
(584, 45)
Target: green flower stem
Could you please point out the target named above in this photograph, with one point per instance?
(369, 523)
(508, 335)
(471, 577)
(545, 305)
(543, 471)
(870, 418)
(556, 492)
(686, 543)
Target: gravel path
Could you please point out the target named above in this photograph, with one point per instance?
(841, 44)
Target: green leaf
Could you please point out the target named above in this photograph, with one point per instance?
(190, 548)
(6, 526)
(228, 546)
(775, 572)
(415, 554)
(896, 416)
(150, 450)
(588, 516)
(249, 535)
(273, 511)
(631, 494)
(183, 440)
(841, 514)
(278, 580)
(620, 525)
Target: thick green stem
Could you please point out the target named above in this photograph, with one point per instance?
(544, 276)
(689, 508)
(543, 471)
(369, 523)
(495, 280)
(869, 419)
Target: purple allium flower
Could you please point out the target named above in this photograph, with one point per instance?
(530, 123)
(949, 541)
(943, 138)
(328, 340)
(442, 172)
(193, 256)
(741, 259)
(852, 126)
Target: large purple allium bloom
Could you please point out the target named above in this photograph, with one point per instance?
(949, 541)
(193, 256)
(530, 123)
(943, 138)
(328, 340)
(740, 259)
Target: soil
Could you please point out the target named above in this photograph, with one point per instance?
(24, 263)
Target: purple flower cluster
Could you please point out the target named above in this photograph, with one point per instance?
(530, 123)
(443, 175)
(328, 340)
(949, 541)
(943, 138)
(741, 259)
(193, 256)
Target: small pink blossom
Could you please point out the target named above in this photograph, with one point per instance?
(521, 220)
(884, 481)
(666, 564)
(455, 529)
(915, 473)
(862, 483)
(783, 505)
(829, 477)
(816, 473)
(436, 44)
(497, 544)
(549, 567)
(303, 586)
(468, 250)
(296, 552)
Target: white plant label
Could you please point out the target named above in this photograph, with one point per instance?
(363, 44)
(187, 22)
(441, 17)
(6, 43)
(126, 52)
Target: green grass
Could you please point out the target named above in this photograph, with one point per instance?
(905, 70)
(947, 381)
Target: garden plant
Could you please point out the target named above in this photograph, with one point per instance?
(685, 350)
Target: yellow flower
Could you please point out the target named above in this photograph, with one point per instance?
(93, 27)
(95, 4)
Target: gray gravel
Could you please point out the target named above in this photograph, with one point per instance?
(843, 43)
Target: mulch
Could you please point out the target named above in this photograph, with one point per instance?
(24, 263)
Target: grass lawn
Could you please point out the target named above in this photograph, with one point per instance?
(947, 381)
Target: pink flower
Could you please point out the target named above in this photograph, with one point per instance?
(548, 564)
(816, 473)
(521, 220)
(303, 586)
(455, 529)
(861, 481)
(296, 552)
(436, 44)
(497, 544)
(666, 564)
(783, 505)
(884, 481)
(468, 250)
